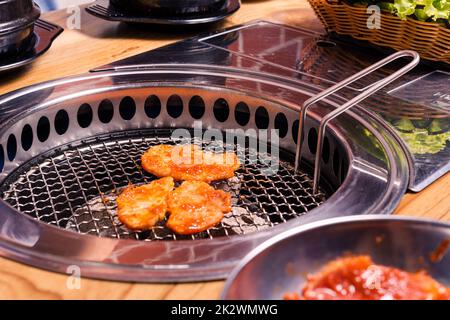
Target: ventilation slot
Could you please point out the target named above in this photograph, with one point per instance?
(281, 124)
(61, 122)
(127, 108)
(262, 118)
(105, 111)
(175, 106)
(152, 107)
(242, 113)
(196, 107)
(11, 147)
(43, 129)
(221, 110)
(27, 137)
(84, 115)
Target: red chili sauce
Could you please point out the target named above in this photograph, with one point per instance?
(359, 278)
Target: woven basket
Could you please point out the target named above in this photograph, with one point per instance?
(430, 40)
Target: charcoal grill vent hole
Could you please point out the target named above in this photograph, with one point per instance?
(281, 124)
(295, 131)
(27, 137)
(127, 108)
(262, 118)
(196, 107)
(242, 113)
(221, 110)
(43, 129)
(336, 157)
(174, 106)
(11, 147)
(326, 150)
(312, 140)
(105, 111)
(61, 122)
(152, 107)
(84, 115)
(2, 158)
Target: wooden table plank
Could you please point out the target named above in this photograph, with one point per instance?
(433, 202)
(100, 42)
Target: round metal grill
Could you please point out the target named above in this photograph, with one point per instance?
(75, 187)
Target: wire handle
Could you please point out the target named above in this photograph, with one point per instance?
(338, 111)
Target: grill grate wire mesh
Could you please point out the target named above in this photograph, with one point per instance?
(75, 187)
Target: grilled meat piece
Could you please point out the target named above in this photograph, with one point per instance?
(141, 207)
(196, 206)
(189, 162)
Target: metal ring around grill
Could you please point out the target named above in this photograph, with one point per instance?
(74, 143)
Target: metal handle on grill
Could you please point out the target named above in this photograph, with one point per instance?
(335, 113)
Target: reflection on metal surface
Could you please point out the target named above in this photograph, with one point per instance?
(24, 234)
(280, 47)
(431, 90)
(370, 170)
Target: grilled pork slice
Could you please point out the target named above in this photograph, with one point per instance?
(196, 206)
(141, 207)
(189, 162)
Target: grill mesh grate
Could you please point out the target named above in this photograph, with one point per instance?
(75, 186)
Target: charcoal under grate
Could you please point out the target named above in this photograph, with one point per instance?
(75, 187)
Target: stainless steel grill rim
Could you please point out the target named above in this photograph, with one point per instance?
(46, 246)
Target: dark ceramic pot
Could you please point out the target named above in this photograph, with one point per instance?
(167, 7)
(17, 19)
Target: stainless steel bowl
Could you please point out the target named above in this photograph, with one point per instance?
(279, 265)
(17, 19)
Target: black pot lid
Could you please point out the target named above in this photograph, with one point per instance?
(42, 38)
(102, 9)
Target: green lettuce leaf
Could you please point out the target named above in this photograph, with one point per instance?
(387, 6)
(423, 10)
(421, 142)
(405, 8)
(421, 15)
(437, 9)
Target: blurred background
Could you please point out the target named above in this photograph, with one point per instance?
(48, 5)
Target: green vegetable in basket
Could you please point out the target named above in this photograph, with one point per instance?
(423, 10)
(404, 125)
(421, 15)
(405, 8)
(423, 136)
(437, 9)
(422, 123)
(388, 7)
(439, 125)
(421, 142)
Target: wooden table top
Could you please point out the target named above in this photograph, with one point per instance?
(100, 42)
